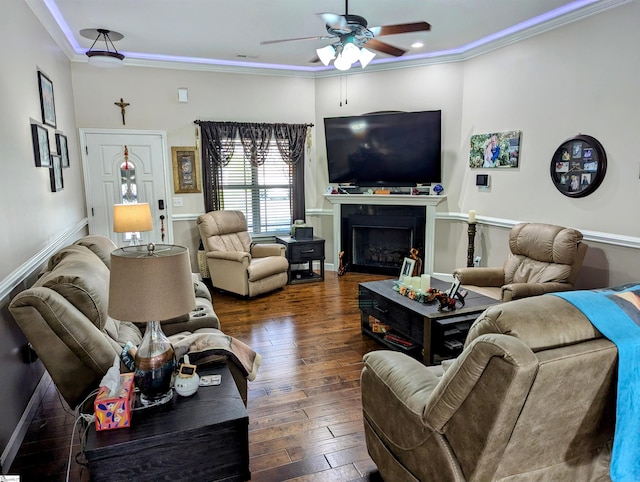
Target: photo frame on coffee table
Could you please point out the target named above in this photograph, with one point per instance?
(407, 267)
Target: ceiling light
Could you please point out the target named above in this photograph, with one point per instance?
(109, 57)
(366, 56)
(350, 53)
(417, 45)
(341, 63)
(326, 54)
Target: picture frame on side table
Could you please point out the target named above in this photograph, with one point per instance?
(186, 171)
(63, 149)
(41, 150)
(55, 173)
(407, 267)
(47, 103)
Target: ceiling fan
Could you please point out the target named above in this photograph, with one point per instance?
(350, 33)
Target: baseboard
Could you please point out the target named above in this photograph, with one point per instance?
(10, 451)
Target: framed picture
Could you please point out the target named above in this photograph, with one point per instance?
(40, 139)
(63, 149)
(498, 149)
(455, 286)
(407, 267)
(47, 104)
(186, 177)
(578, 166)
(55, 173)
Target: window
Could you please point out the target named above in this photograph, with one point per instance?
(262, 193)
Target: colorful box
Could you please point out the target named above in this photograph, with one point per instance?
(115, 412)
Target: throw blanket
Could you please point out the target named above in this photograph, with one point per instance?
(208, 345)
(615, 313)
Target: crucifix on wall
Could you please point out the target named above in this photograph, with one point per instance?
(123, 105)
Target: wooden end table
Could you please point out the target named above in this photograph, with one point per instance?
(303, 251)
(204, 437)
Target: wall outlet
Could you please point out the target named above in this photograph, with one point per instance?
(177, 202)
(476, 261)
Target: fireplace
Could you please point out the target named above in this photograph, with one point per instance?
(376, 239)
(421, 207)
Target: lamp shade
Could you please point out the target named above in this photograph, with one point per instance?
(132, 218)
(150, 283)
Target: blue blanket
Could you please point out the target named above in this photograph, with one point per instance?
(615, 313)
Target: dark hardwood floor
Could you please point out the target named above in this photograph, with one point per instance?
(305, 416)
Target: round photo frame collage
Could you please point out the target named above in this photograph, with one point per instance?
(578, 166)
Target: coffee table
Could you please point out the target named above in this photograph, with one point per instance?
(203, 437)
(433, 335)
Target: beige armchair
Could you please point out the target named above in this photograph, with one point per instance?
(235, 263)
(531, 397)
(544, 258)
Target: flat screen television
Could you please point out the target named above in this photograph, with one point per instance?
(384, 149)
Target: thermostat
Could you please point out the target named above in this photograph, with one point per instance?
(482, 180)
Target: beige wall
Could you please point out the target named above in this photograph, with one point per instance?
(32, 216)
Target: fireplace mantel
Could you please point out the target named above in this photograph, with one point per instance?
(429, 203)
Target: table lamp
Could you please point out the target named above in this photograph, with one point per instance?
(132, 218)
(149, 284)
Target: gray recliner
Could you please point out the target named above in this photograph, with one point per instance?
(544, 258)
(235, 263)
(531, 397)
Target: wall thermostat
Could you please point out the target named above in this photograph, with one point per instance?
(482, 180)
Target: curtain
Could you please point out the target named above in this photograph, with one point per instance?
(218, 147)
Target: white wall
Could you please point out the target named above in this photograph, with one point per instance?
(32, 215)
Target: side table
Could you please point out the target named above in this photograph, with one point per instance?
(303, 251)
(204, 437)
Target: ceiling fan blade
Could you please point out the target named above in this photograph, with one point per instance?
(400, 28)
(314, 60)
(384, 48)
(321, 37)
(334, 20)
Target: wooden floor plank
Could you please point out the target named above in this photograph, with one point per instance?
(305, 413)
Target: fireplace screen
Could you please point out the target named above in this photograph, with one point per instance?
(379, 246)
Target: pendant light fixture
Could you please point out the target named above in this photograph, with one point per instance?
(107, 57)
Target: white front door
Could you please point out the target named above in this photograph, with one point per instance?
(114, 174)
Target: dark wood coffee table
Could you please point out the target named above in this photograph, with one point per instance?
(434, 335)
(204, 437)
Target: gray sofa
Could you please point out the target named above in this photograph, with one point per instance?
(64, 317)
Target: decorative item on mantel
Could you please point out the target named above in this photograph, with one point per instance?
(438, 189)
(471, 231)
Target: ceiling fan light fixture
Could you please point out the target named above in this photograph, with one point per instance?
(366, 56)
(350, 53)
(326, 54)
(341, 63)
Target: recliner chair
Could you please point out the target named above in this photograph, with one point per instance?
(544, 258)
(531, 397)
(235, 263)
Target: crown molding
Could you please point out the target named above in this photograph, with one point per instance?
(47, 13)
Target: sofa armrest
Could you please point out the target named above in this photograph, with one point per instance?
(480, 276)
(262, 250)
(238, 256)
(513, 291)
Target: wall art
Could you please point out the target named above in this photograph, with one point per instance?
(499, 149)
(186, 177)
(578, 166)
(47, 103)
(63, 149)
(41, 151)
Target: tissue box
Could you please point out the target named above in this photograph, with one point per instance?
(115, 412)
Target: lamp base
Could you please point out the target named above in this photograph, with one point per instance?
(155, 364)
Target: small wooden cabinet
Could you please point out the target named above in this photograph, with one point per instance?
(301, 253)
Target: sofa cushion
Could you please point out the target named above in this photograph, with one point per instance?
(83, 279)
(101, 246)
